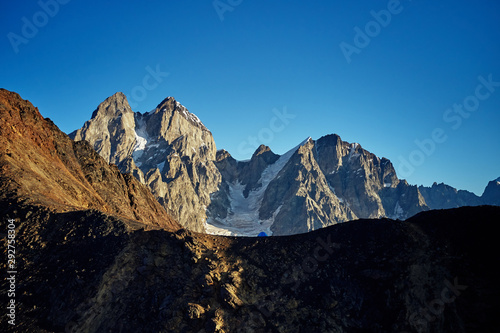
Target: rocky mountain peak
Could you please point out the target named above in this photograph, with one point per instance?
(331, 139)
(113, 106)
(307, 144)
(491, 194)
(263, 154)
(260, 150)
(168, 149)
(222, 154)
(170, 106)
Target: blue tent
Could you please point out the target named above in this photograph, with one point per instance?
(262, 234)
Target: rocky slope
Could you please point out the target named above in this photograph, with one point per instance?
(40, 165)
(169, 149)
(90, 272)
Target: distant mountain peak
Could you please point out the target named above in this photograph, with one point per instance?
(171, 105)
(112, 106)
(167, 103)
(260, 150)
(491, 194)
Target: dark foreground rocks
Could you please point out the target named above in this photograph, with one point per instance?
(85, 271)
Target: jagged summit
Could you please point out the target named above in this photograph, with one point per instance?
(260, 150)
(171, 105)
(491, 194)
(114, 104)
(169, 149)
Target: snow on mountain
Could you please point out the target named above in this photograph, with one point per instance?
(141, 140)
(243, 217)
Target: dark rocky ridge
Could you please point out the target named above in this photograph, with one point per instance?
(89, 272)
(441, 196)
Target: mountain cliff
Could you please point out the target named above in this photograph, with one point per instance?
(169, 149)
(491, 194)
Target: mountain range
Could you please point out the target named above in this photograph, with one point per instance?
(96, 252)
(316, 184)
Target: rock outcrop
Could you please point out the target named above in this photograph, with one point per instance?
(491, 194)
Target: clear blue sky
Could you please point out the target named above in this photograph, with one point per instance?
(232, 68)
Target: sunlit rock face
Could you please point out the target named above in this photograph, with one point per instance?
(169, 149)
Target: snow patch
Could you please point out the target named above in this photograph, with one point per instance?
(352, 150)
(398, 211)
(141, 139)
(333, 191)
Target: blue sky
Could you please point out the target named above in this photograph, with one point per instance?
(276, 71)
